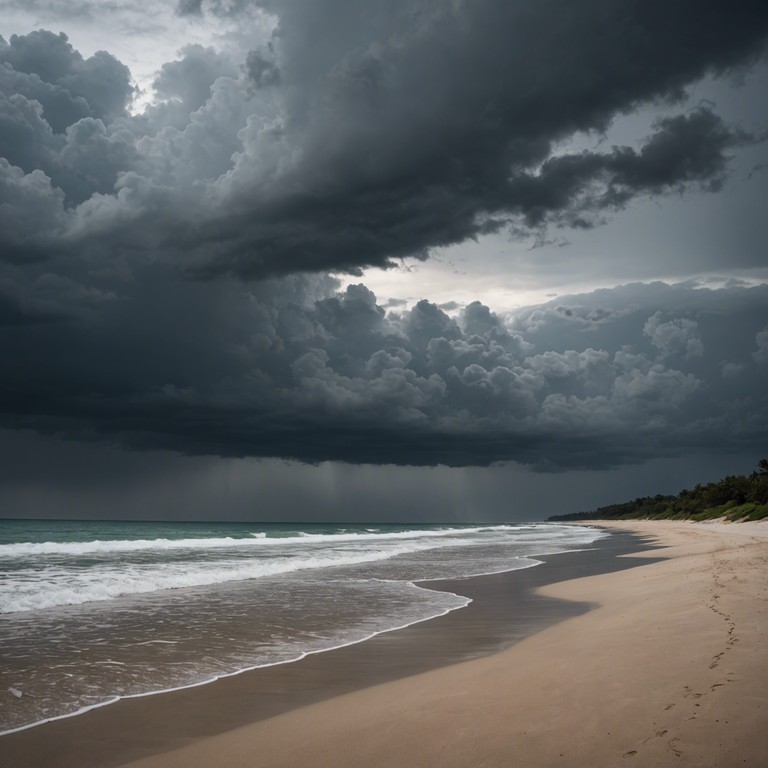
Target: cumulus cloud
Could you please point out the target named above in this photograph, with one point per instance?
(298, 370)
(674, 338)
(164, 274)
(188, 79)
(335, 146)
(45, 68)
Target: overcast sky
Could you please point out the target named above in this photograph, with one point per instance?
(393, 260)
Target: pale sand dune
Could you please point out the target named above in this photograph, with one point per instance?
(670, 669)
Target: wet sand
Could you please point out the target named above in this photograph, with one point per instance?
(588, 660)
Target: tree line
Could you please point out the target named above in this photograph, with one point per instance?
(735, 498)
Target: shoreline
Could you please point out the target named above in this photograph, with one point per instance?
(667, 669)
(654, 655)
(245, 670)
(42, 697)
(418, 584)
(65, 741)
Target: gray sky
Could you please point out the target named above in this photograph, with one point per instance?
(273, 260)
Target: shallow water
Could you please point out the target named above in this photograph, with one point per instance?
(91, 611)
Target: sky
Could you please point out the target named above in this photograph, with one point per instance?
(401, 260)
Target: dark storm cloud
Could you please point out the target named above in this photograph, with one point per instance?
(294, 370)
(361, 132)
(261, 67)
(44, 68)
(188, 80)
(685, 151)
(420, 126)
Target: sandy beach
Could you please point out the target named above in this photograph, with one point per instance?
(611, 657)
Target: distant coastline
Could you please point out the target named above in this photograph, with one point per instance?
(735, 498)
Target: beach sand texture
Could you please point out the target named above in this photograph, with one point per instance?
(668, 669)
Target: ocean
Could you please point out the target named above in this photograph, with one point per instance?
(94, 611)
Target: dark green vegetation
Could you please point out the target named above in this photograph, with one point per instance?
(735, 497)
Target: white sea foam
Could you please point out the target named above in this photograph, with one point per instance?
(139, 566)
(413, 534)
(98, 546)
(55, 586)
(76, 548)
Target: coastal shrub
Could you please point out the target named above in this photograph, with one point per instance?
(735, 497)
(748, 511)
(760, 512)
(713, 512)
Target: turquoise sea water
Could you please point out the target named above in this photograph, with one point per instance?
(91, 611)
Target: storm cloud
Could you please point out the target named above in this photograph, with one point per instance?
(297, 370)
(360, 134)
(165, 271)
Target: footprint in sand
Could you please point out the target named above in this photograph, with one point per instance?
(672, 748)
